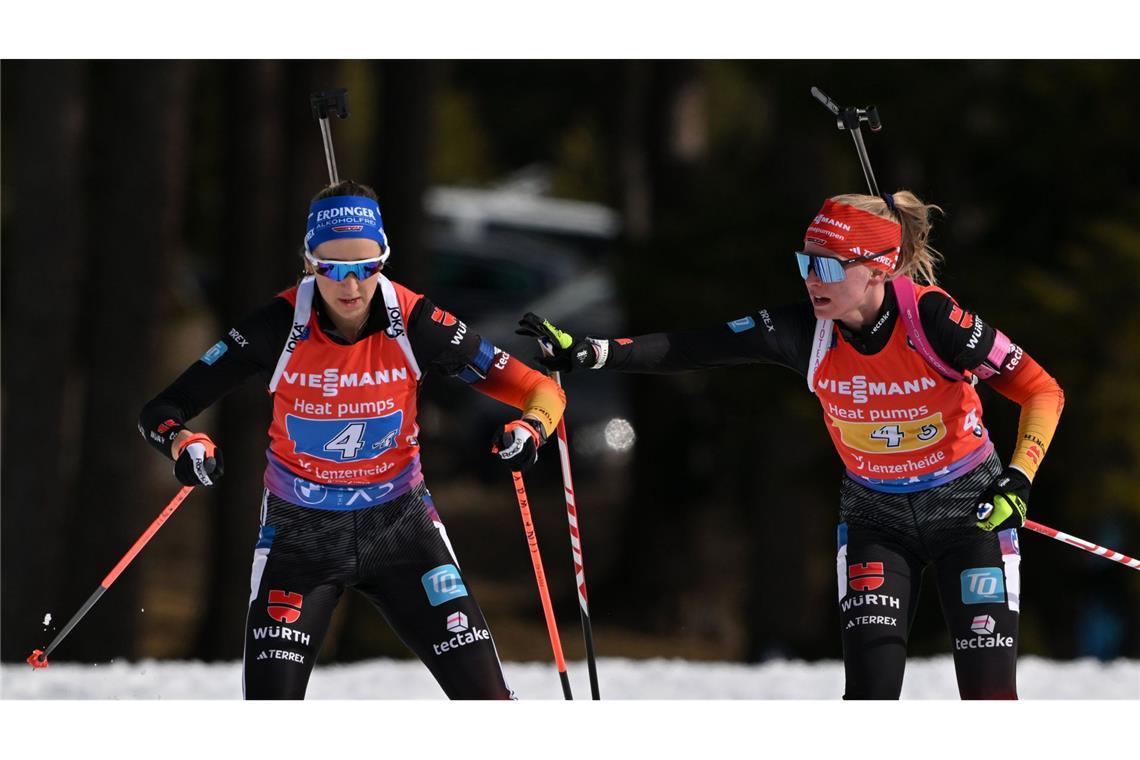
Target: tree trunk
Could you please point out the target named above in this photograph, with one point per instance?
(254, 247)
(407, 89)
(45, 112)
(137, 179)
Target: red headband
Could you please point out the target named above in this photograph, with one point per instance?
(849, 233)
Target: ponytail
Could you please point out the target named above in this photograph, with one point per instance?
(917, 259)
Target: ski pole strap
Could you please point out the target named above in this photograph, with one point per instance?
(201, 438)
(1080, 543)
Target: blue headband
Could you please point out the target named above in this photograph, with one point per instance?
(344, 216)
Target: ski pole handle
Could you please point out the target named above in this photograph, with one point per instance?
(1080, 543)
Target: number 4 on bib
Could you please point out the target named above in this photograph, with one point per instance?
(348, 441)
(889, 433)
(351, 440)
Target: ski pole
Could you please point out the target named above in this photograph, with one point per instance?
(540, 576)
(1080, 543)
(575, 538)
(38, 658)
(322, 102)
(851, 119)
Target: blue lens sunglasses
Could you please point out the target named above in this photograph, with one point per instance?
(828, 269)
(340, 270)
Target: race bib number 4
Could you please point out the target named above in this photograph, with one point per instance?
(891, 437)
(344, 440)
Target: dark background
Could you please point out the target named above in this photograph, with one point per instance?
(148, 205)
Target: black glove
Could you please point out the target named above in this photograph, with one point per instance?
(516, 443)
(1003, 505)
(590, 353)
(199, 461)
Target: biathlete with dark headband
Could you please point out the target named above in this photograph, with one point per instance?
(893, 364)
(345, 506)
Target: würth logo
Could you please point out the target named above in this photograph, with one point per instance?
(865, 576)
(443, 317)
(284, 607)
(960, 317)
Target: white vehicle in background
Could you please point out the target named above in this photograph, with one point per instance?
(498, 253)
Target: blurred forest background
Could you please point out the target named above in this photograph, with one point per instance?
(146, 206)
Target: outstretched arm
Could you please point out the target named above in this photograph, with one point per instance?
(778, 336)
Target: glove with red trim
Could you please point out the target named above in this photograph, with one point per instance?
(516, 444)
(199, 461)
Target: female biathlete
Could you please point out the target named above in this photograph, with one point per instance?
(345, 505)
(894, 366)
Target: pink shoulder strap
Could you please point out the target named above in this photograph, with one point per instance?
(908, 310)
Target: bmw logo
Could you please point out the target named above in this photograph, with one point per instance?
(308, 492)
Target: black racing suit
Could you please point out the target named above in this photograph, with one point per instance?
(396, 554)
(886, 540)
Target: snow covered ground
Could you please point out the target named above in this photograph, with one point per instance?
(657, 709)
(619, 678)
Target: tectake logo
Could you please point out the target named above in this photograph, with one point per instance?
(983, 625)
(457, 622)
(1014, 357)
(504, 357)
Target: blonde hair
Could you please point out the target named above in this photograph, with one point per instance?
(916, 259)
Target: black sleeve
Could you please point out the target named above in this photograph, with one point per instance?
(780, 336)
(251, 347)
(443, 342)
(957, 335)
